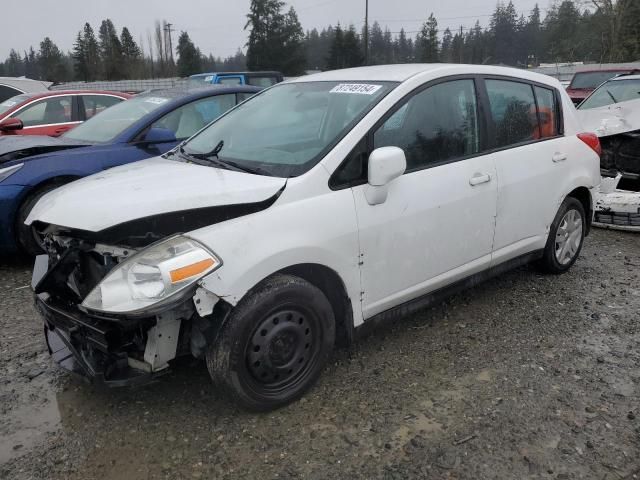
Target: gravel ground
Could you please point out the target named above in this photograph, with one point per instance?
(525, 376)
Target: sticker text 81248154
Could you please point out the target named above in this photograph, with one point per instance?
(359, 88)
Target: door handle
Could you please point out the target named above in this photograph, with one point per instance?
(559, 157)
(479, 178)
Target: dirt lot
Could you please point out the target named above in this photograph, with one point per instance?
(526, 376)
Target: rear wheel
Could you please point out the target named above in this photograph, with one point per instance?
(566, 237)
(274, 345)
(28, 240)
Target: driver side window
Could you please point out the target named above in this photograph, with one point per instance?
(437, 125)
(185, 121)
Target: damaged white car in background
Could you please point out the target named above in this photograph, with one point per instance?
(613, 113)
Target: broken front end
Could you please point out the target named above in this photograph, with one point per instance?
(117, 316)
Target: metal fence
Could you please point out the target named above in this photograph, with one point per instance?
(564, 72)
(123, 85)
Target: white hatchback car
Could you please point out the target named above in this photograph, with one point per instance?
(319, 206)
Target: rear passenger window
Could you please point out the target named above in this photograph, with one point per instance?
(94, 104)
(547, 113)
(436, 125)
(513, 108)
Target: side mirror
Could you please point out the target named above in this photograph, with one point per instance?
(385, 165)
(11, 124)
(160, 135)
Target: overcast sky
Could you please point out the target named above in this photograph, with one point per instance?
(216, 26)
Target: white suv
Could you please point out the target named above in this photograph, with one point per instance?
(319, 206)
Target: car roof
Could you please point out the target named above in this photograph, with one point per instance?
(189, 93)
(403, 72)
(625, 77)
(57, 93)
(597, 70)
(25, 85)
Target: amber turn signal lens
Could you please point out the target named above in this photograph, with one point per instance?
(192, 270)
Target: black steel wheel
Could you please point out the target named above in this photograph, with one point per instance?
(275, 343)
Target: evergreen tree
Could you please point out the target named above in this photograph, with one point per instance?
(504, 32)
(31, 64)
(335, 60)
(293, 61)
(92, 53)
(445, 51)
(264, 21)
(189, 57)
(377, 45)
(403, 49)
(14, 67)
(51, 62)
(110, 51)
(131, 54)
(428, 41)
(80, 66)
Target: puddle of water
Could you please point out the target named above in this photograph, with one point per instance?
(26, 426)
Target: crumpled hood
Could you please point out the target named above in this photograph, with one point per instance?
(17, 147)
(153, 187)
(612, 119)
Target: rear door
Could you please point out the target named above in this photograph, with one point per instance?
(531, 157)
(437, 223)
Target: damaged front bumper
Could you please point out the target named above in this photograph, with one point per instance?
(92, 348)
(116, 349)
(617, 209)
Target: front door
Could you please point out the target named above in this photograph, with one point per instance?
(437, 224)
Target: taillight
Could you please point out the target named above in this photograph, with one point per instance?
(593, 141)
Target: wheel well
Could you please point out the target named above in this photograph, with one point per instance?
(330, 283)
(61, 180)
(584, 197)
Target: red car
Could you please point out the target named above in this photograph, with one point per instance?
(53, 112)
(586, 81)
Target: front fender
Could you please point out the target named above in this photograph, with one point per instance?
(319, 230)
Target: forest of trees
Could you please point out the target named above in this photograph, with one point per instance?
(598, 31)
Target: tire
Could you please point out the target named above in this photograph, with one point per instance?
(274, 344)
(566, 237)
(26, 238)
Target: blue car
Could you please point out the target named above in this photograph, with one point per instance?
(258, 79)
(147, 125)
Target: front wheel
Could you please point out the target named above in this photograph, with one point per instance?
(274, 344)
(566, 237)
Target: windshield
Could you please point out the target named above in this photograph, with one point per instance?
(12, 102)
(286, 130)
(591, 80)
(110, 123)
(615, 91)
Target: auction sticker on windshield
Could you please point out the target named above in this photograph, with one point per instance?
(361, 88)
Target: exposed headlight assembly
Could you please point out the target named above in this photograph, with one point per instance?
(7, 172)
(153, 276)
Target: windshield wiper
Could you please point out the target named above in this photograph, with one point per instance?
(612, 97)
(213, 158)
(206, 156)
